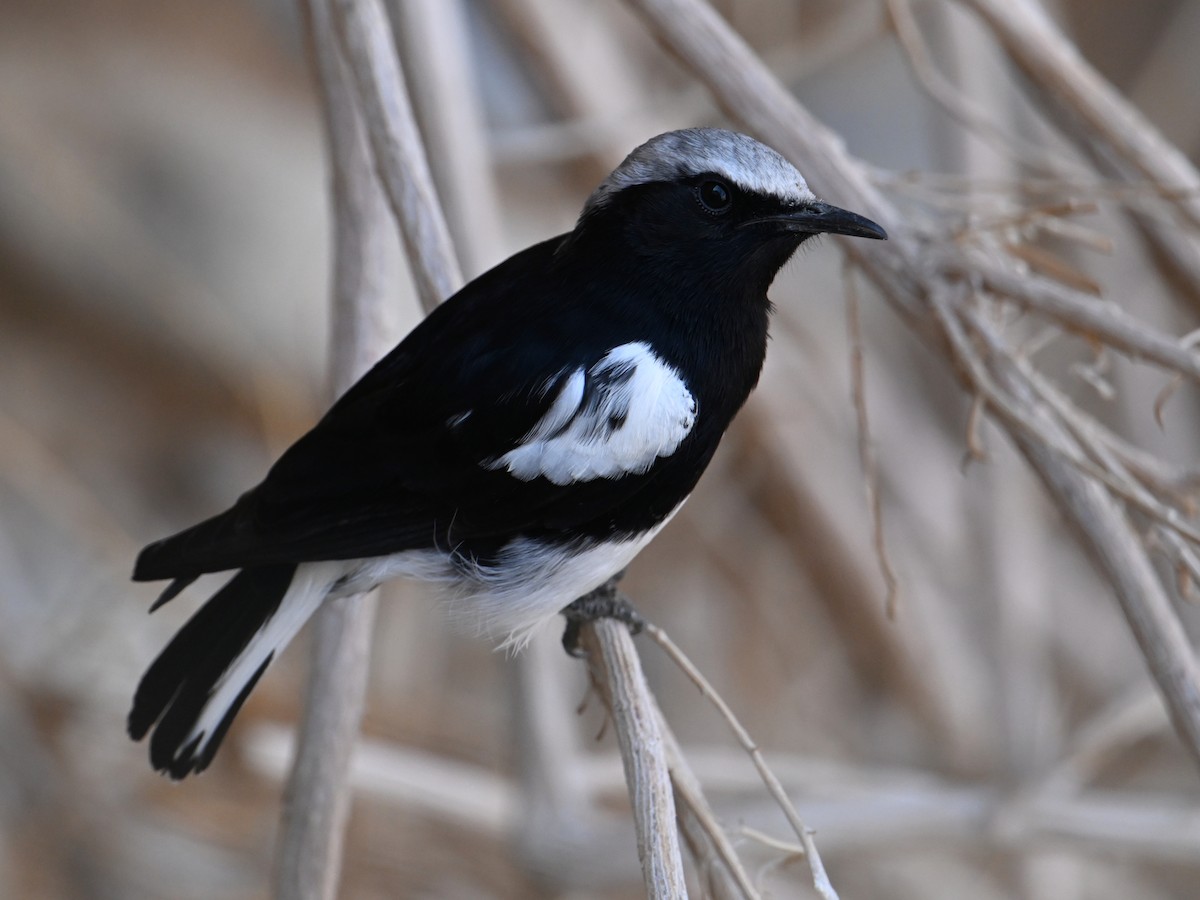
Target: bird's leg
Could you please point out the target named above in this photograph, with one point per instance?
(605, 602)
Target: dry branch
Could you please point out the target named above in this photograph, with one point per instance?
(615, 665)
(1129, 144)
(911, 272)
(366, 40)
(1118, 551)
(438, 61)
(357, 73)
(1072, 310)
(714, 854)
(316, 800)
(774, 786)
(866, 448)
(967, 113)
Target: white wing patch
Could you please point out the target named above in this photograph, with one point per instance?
(615, 418)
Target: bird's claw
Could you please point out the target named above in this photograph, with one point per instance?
(605, 602)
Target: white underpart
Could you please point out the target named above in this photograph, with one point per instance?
(615, 419)
(509, 599)
(532, 582)
(750, 165)
(525, 587)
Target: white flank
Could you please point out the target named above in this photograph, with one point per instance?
(532, 582)
(615, 419)
(512, 597)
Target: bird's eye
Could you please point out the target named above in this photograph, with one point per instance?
(715, 196)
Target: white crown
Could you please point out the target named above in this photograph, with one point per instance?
(752, 166)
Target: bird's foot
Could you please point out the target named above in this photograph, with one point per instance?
(605, 602)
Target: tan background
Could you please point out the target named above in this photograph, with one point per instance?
(163, 282)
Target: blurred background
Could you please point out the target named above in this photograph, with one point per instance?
(164, 273)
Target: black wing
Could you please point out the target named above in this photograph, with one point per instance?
(396, 462)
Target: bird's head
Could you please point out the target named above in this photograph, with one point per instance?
(714, 205)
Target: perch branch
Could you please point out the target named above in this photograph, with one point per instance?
(614, 663)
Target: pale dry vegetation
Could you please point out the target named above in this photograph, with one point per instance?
(975, 678)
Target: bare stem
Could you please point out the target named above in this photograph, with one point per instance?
(1121, 140)
(773, 784)
(317, 799)
(366, 39)
(913, 272)
(614, 663)
(711, 848)
(866, 449)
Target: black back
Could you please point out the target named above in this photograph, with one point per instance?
(394, 465)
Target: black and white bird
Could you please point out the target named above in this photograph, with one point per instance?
(520, 446)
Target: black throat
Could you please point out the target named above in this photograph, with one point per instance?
(700, 298)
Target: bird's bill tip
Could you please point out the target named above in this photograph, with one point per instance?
(825, 218)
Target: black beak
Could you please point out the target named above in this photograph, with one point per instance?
(819, 217)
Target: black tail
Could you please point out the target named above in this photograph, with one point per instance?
(177, 689)
(214, 545)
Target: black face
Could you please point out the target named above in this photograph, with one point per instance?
(706, 227)
(721, 199)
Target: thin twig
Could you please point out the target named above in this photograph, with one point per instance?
(719, 858)
(866, 450)
(902, 272)
(1121, 140)
(1051, 62)
(1072, 310)
(970, 115)
(771, 842)
(774, 787)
